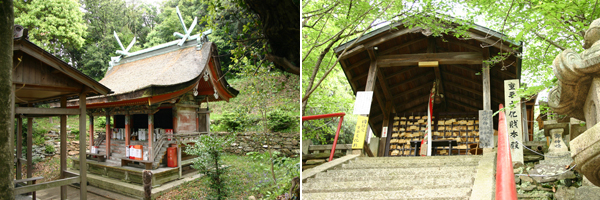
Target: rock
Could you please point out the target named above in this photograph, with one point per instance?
(564, 193)
(567, 175)
(517, 180)
(315, 161)
(251, 198)
(528, 188)
(526, 179)
(587, 192)
(294, 142)
(73, 153)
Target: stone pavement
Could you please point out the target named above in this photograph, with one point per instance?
(94, 193)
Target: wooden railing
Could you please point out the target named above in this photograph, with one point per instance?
(340, 148)
(178, 137)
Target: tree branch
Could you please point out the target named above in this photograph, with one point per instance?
(548, 40)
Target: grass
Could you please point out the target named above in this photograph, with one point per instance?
(245, 178)
(49, 169)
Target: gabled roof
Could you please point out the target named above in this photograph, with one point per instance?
(35, 86)
(405, 86)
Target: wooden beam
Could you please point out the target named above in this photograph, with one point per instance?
(476, 92)
(404, 45)
(390, 36)
(380, 101)
(412, 79)
(407, 92)
(352, 52)
(29, 149)
(485, 76)
(442, 58)
(463, 104)
(359, 63)
(360, 76)
(416, 100)
(82, 140)
(405, 69)
(372, 75)
(27, 86)
(19, 147)
(383, 84)
(45, 111)
(462, 78)
(63, 147)
(46, 185)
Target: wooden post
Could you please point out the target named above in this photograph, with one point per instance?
(82, 160)
(63, 147)
(147, 180)
(29, 148)
(485, 75)
(108, 135)
(383, 138)
(19, 147)
(150, 131)
(127, 129)
(179, 158)
(370, 85)
(91, 131)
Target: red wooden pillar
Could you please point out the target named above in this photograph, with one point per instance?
(150, 131)
(91, 131)
(108, 135)
(127, 129)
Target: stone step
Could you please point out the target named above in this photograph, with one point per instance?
(387, 185)
(416, 164)
(438, 193)
(455, 158)
(455, 175)
(422, 171)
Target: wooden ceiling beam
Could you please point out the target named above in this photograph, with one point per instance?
(412, 79)
(352, 52)
(463, 104)
(404, 45)
(416, 100)
(407, 92)
(465, 45)
(405, 69)
(442, 58)
(359, 63)
(480, 93)
(412, 109)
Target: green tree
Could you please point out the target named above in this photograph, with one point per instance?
(209, 149)
(545, 27)
(56, 26)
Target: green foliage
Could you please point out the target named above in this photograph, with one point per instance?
(100, 122)
(280, 120)
(209, 150)
(53, 25)
(285, 169)
(39, 140)
(50, 149)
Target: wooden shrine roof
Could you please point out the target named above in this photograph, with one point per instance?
(402, 86)
(163, 75)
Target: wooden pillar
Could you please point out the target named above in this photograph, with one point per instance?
(371, 78)
(485, 76)
(179, 158)
(82, 160)
(150, 131)
(91, 131)
(63, 147)
(108, 135)
(29, 148)
(383, 138)
(127, 129)
(19, 147)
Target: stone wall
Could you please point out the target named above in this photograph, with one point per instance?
(286, 143)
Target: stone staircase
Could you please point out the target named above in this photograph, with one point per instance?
(118, 150)
(436, 177)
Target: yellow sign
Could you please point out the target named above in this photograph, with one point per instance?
(359, 132)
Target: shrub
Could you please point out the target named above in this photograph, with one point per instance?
(100, 122)
(238, 120)
(39, 140)
(279, 120)
(209, 150)
(50, 149)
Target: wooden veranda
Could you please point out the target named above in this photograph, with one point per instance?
(39, 78)
(400, 65)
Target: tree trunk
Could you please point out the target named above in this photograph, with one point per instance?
(6, 99)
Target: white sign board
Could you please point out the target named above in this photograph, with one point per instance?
(513, 119)
(384, 132)
(362, 105)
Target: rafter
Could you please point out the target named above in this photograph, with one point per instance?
(442, 58)
(412, 79)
